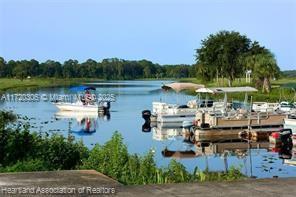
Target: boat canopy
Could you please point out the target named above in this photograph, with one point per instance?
(226, 90)
(182, 86)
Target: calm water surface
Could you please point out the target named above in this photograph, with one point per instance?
(125, 116)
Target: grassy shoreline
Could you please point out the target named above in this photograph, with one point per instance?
(17, 84)
(276, 94)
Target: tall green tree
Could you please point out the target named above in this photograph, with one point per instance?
(264, 68)
(2, 67)
(21, 69)
(70, 68)
(50, 68)
(219, 55)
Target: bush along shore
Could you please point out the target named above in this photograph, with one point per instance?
(22, 150)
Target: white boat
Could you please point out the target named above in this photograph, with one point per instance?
(265, 106)
(170, 114)
(83, 104)
(290, 122)
(178, 118)
(173, 113)
(286, 106)
(79, 106)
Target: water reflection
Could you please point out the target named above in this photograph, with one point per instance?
(259, 158)
(86, 122)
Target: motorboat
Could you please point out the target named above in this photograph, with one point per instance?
(265, 106)
(77, 106)
(172, 113)
(177, 115)
(290, 122)
(87, 104)
(286, 106)
(82, 107)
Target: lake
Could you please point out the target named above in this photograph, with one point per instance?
(132, 97)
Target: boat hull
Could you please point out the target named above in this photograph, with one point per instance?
(290, 124)
(75, 107)
(176, 118)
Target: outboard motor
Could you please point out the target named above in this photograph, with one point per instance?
(107, 115)
(146, 114)
(106, 107)
(146, 127)
(285, 152)
(286, 136)
(287, 144)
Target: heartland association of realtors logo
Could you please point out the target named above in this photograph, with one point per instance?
(57, 190)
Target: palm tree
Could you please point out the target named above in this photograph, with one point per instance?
(264, 67)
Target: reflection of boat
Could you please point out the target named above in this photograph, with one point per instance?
(228, 146)
(86, 121)
(179, 154)
(83, 132)
(292, 160)
(81, 115)
(160, 133)
(77, 115)
(88, 127)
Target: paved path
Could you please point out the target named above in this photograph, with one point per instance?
(85, 182)
(262, 188)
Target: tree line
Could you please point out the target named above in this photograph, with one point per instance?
(112, 68)
(226, 54)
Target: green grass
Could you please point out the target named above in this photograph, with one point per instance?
(277, 93)
(17, 84)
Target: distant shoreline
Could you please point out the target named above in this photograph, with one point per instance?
(277, 94)
(18, 84)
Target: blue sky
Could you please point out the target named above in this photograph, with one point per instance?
(163, 31)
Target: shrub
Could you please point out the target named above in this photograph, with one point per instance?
(22, 150)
